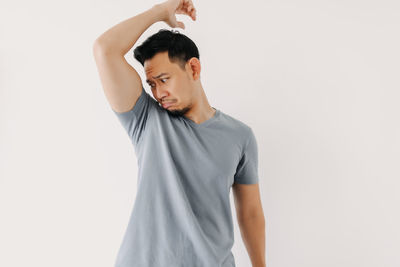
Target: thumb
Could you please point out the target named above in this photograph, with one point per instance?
(180, 24)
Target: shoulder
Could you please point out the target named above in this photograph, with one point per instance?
(235, 123)
(241, 129)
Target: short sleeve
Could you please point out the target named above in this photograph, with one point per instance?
(247, 169)
(135, 120)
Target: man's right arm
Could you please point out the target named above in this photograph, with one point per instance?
(121, 83)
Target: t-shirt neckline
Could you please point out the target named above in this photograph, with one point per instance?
(204, 123)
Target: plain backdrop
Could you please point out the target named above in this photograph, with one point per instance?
(317, 81)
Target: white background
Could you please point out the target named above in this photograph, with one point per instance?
(318, 82)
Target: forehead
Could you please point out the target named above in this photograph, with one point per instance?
(157, 62)
(158, 66)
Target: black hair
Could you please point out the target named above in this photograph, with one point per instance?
(180, 47)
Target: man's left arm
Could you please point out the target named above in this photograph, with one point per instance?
(251, 221)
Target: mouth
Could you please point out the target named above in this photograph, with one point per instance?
(167, 104)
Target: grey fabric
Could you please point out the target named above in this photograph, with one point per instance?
(182, 214)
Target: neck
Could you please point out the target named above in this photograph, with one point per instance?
(201, 110)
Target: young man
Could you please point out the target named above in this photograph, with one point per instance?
(189, 153)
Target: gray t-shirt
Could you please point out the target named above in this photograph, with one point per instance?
(182, 214)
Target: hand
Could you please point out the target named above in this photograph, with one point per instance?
(172, 7)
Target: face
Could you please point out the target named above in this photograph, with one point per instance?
(171, 86)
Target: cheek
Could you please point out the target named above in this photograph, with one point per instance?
(178, 89)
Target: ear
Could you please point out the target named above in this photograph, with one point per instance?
(195, 67)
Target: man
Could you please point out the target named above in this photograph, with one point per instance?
(189, 153)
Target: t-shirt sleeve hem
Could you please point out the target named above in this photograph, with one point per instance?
(136, 106)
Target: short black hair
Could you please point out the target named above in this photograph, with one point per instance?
(180, 47)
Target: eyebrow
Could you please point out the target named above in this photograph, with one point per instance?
(158, 76)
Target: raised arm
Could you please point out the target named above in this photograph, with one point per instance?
(121, 83)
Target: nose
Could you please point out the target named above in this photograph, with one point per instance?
(161, 94)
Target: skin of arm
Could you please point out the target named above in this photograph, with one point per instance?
(121, 38)
(121, 83)
(251, 221)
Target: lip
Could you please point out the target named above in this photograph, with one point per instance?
(167, 104)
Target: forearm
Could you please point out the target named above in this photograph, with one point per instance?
(122, 37)
(253, 234)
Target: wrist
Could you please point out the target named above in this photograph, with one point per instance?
(159, 11)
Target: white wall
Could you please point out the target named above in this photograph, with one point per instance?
(318, 81)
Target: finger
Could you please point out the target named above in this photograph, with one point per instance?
(191, 4)
(182, 5)
(191, 10)
(189, 7)
(185, 5)
(182, 9)
(192, 14)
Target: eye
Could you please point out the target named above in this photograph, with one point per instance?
(162, 80)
